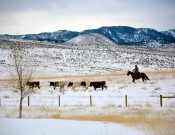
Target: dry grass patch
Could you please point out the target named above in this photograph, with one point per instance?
(33, 112)
(149, 122)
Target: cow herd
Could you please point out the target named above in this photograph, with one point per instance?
(65, 84)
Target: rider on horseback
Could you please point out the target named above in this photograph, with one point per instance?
(136, 71)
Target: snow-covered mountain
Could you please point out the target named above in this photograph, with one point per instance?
(132, 36)
(58, 36)
(92, 38)
(170, 32)
(122, 35)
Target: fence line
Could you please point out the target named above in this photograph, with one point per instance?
(161, 99)
(59, 100)
(91, 101)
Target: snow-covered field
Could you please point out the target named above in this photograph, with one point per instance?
(107, 105)
(139, 94)
(143, 114)
(61, 127)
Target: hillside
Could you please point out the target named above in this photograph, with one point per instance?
(69, 59)
(92, 38)
(125, 35)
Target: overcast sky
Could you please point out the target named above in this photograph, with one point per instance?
(35, 16)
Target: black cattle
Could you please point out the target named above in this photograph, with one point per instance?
(99, 84)
(52, 83)
(83, 84)
(33, 84)
(70, 84)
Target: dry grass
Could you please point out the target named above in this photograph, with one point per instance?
(109, 75)
(158, 124)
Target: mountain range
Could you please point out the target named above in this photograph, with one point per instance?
(121, 35)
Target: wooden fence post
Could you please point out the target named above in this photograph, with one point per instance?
(126, 100)
(90, 100)
(28, 101)
(160, 100)
(59, 103)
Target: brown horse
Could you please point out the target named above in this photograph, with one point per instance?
(138, 76)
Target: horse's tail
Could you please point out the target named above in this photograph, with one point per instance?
(147, 77)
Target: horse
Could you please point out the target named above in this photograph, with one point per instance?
(138, 76)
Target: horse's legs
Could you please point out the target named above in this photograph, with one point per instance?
(143, 79)
(133, 80)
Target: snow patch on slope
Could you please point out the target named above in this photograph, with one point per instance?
(92, 38)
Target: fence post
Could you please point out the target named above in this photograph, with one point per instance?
(28, 101)
(160, 100)
(90, 100)
(59, 103)
(126, 100)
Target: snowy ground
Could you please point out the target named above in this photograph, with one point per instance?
(139, 94)
(68, 62)
(107, 105)
(61, 127)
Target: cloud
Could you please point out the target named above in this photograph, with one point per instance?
(34, 16)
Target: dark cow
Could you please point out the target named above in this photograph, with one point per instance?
(52, 83)
(98, 84)
(33, 84)
(83, 84)
(70, 84)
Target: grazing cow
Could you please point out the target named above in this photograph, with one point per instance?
(33, 84)
(77, 84)
(60, 84)
(99, 84)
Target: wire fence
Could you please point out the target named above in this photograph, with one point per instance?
(120, 101)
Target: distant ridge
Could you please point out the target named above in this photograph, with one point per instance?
(122, 35)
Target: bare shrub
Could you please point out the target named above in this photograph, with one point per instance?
(20, 73)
